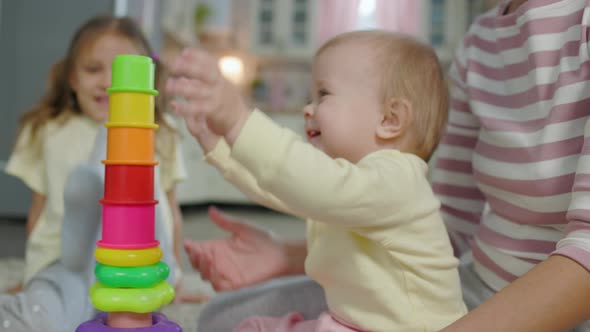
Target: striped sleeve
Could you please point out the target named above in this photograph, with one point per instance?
(461, 201)
(576, 243)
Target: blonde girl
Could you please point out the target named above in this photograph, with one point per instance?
(59, 132)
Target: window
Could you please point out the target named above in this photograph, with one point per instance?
(437, 22)
(300, 22)
(266, 19)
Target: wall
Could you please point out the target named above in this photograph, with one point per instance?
(33, 35)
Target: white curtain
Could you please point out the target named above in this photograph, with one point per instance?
(339, 16)
(336, 17)
(398, 15)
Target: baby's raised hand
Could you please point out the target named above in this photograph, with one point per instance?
(204, 95)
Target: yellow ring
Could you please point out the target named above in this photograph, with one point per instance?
(131, 107)
(135, 257)
(131, 125)
(138, 300)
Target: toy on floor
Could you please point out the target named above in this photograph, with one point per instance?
(131, 278)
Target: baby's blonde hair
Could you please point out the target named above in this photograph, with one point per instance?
(409, 70)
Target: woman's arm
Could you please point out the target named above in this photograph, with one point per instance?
(177, 225)
(37, 205)
(552, 297)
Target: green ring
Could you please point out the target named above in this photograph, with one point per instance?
(133, 73)
(138, 300)
(152, 92)
(134, 277)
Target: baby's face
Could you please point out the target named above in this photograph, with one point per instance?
(346, 106)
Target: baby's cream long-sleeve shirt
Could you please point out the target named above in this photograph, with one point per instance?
(376, 242)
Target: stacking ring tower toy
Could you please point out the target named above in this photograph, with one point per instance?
(131, 277)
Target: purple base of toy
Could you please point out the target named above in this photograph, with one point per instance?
(161, 324)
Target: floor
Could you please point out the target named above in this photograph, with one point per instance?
(196, 226)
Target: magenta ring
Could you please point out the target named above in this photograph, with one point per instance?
(161, 324)
(128, 224)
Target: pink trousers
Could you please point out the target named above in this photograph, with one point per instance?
(292, 322)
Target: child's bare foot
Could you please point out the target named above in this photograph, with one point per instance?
(15, 289)
(191, 298)
(184, 295)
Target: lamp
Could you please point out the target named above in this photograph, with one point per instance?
(232, 69)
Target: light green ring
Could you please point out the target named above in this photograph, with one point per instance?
(138, 300)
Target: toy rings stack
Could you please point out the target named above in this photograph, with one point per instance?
(131, 277)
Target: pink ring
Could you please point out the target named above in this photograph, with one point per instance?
(107, 245)
(128, 225)
(113, 202)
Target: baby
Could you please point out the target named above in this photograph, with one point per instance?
(376, 241)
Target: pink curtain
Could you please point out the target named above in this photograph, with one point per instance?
(335, 17)
(398, 15)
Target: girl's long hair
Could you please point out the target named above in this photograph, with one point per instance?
(59, 101)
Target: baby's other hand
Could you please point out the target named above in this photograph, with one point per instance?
(207, 99)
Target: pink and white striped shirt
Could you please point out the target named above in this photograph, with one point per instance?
(513, 172)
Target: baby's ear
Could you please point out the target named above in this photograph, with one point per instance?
(396, 119)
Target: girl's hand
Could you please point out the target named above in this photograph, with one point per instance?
(208, 99)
